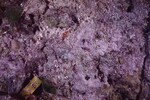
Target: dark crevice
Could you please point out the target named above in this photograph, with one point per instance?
(36, 28)
(47, 7)
(146, 45)
(83, 41)
(99, 73)
(33, 23)
(87, 77)
(32, 18)
(43, 47)
(31, 68)
(131, 6)
(1, 21)
(97, 36)
(2, 9)
(123, 93)
(110, 80)
(74, 18)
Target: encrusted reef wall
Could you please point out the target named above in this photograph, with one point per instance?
(88, 49)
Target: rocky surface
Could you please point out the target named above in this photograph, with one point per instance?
(88, 49)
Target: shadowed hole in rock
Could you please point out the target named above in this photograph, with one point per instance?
(83, 41)
(131, 6)
(100, 73)
(5, 28)
(74, 18)
(123, 94)
(97, 35)
(87, 77)
(1, 21)
(35, 28)
(32, 18)
(47, 7)
(110, 81)
(31, 68)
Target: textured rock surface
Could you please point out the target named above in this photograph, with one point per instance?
(90, 49)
